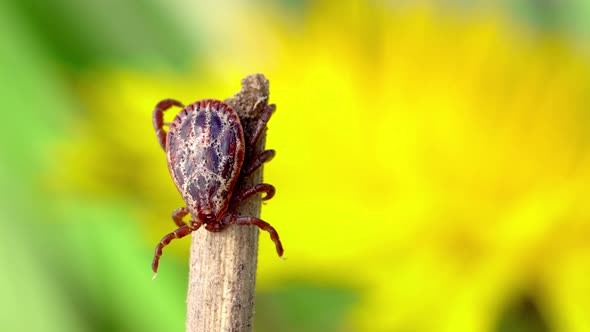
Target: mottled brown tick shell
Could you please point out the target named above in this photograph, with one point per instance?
(205, 151)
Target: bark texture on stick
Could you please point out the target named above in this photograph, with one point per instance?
(222, 275)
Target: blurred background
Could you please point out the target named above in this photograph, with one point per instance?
(432, 168)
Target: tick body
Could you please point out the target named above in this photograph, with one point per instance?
(207, 156)
(205, 151)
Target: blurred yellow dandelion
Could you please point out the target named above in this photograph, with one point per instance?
(439, 164)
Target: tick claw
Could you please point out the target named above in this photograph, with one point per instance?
(155, 275)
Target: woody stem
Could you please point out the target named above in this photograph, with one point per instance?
(222, 272)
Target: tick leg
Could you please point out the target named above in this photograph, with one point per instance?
(177, 234)
(262, 225)
(257, 161)
(261, 125)
(259, 188)
(178, 214)
(158, 118)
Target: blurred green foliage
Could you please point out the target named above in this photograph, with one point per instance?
(61, 270)
(297, 306)
(77, 263)
(522, 316)
(89, 34)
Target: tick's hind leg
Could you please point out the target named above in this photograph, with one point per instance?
(262, 225)
(243, 195)
(158, 119)
(177, 234)
(256, 162)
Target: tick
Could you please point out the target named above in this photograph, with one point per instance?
(207, 156)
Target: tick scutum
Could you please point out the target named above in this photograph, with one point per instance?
(205, 153)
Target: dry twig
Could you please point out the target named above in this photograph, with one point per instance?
(222, 276)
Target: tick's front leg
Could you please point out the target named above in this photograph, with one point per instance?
(256, 162)
(158, 119)
(261, 124)
(243, 195)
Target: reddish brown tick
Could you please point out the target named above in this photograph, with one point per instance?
(207, 155)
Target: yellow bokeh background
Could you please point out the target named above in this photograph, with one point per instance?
(430, 161)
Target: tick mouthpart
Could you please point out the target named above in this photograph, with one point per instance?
(207, 215)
